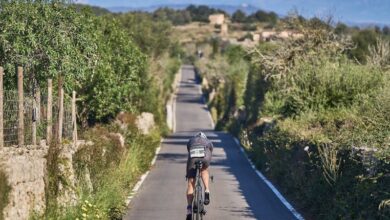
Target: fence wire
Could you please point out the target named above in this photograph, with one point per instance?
(11, 118)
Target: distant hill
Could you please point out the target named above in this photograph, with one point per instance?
(364, 25)
(230, 9)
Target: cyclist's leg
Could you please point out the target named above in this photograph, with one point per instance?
(190, 174)
(205, 170)
(190, 191)
(205, 177)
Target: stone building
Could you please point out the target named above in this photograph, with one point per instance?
(217, 19)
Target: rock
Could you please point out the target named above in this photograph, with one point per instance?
(25, 169)
(67, 186)
(124, 120)
(145, 123)
(118, 138)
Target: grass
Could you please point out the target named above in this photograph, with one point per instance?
(113, 170)
(328, 145)
(4, 191)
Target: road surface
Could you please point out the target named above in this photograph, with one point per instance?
(236, 193)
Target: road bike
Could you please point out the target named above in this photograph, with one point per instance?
(198, 210)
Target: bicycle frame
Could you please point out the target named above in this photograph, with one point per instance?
(198, 207)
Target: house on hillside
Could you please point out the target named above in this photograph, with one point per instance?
(217, 19)
(224, 29)
(282, 35)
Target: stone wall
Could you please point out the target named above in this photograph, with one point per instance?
(25, 169)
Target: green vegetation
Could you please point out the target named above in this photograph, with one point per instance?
(116, 63)
(4, 190)
(239, 16)
(259, 16)
(313, 119)
(106, 171)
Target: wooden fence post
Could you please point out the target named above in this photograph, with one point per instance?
(34, 122)
(1, 108)
(20, 108)
(74, 119)
(49, 128)
(61, 109)
(38, 98)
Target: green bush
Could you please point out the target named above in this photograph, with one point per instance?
(329, 105)
(49, 38)
(324, 85)
(4, 191)
(119, 75)
(317, 122)
(113, 171)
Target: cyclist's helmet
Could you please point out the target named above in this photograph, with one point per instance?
(201, 134)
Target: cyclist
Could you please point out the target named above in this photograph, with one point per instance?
(200, 139)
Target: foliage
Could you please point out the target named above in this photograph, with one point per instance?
(152, 36)
(50, 38)
(177, 17)
(386, 30)
(111, 169)
(119, 75)
(263, 16)
(202, 12)
(379, 54)
(315, 120)
(4, 191)
(226, 77)
(92, 9)
(322, 101)
(362, 40)
(239, 16)
(341, 28)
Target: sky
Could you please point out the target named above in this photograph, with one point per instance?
(359, 11)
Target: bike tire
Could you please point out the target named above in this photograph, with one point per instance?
(199, 204)
(197, 214)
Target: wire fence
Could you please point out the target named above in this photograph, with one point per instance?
(31, 114)
(37, 122)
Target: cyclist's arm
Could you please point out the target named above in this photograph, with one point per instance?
(210, 145)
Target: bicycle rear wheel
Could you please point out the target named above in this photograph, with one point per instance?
(197, 214)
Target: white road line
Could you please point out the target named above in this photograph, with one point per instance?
(174, 113)
(143, 177)
(269, 184)
(259, 174)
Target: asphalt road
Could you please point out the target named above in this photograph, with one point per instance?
(236, 193)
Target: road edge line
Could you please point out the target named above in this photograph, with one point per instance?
(269, 184)
(138, 185)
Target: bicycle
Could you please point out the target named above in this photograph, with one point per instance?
(198, 210)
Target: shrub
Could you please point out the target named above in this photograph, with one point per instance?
(4, 191)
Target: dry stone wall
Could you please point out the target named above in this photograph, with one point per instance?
(25, 169)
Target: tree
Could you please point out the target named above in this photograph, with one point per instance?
(201, 13)
(119, 75)
(362, 40)
(153, 37)
(377, 29)
(263, 16)
(239, 16)
(386, 30)
(50, 38)
(341, 28)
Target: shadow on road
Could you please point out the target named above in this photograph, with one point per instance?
(233, 162)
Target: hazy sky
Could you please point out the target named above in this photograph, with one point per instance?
(376, 11)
